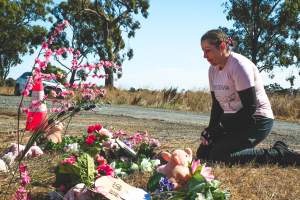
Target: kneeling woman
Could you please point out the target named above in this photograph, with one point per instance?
(241, 114)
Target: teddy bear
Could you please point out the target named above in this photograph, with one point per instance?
(177, 169)
(54, 133)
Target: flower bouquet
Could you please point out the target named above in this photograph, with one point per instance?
(200, 186)
(100, 152)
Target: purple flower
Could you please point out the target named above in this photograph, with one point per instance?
(165, 184)
(128, 143)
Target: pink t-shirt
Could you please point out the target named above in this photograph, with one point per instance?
(238, 74)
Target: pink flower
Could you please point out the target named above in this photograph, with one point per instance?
(70, 160)
(119, 133)
(195, 165)
(100, 159)
(60, 51)
(25, 178)
(106, 133)
(25, 93)
(75, 86)
(206, 172)
(22, 168)
(137, 138)
(90, 139)
(44, 45)
(154, 142)
(21, 194)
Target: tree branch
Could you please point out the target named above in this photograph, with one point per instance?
(56, 58)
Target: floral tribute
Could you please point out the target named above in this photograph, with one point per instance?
(201, 185)
(100, 152)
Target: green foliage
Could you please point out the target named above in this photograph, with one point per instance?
(87, 169)
(60, 73)
(99, 26)
(18, 35)
(50, 146)
(10, 82)
(83, 171)
(197, 188)
(266, 31)
(145, 151)
(153, 182)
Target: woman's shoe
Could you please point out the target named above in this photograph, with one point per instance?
(288, 156)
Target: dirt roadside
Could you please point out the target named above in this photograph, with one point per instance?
(174, 129)
(171, 135)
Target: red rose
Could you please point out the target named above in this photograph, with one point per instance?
(90, 139)
(106, 170)
(97, 127)
(90, 129)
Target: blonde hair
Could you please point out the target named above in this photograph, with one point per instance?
(216, 37)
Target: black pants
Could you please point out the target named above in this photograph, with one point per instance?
(237, 146)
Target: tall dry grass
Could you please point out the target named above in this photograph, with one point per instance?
(7, 90)
(198, 101)
(285, 107)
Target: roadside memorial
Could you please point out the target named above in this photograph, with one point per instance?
(95, 164)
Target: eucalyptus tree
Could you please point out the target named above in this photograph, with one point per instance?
(18, 34)
(266, 31)
(100, 27)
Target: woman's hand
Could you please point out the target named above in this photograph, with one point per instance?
(205, 137)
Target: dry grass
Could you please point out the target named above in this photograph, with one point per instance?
(7, 90)
(244, 182)
(285, 107)
(167, 98)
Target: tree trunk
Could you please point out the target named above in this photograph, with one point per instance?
(72, 79)
(109, 80)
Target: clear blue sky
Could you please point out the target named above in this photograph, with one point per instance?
(167, 49)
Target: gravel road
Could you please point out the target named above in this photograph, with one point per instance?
(160, 122)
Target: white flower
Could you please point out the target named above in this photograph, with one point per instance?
(119, 172)
(134, 167)
(72, 148)
(146, 165)
(105, 132)
(155, 163)
(200, 196)
(113, 164)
